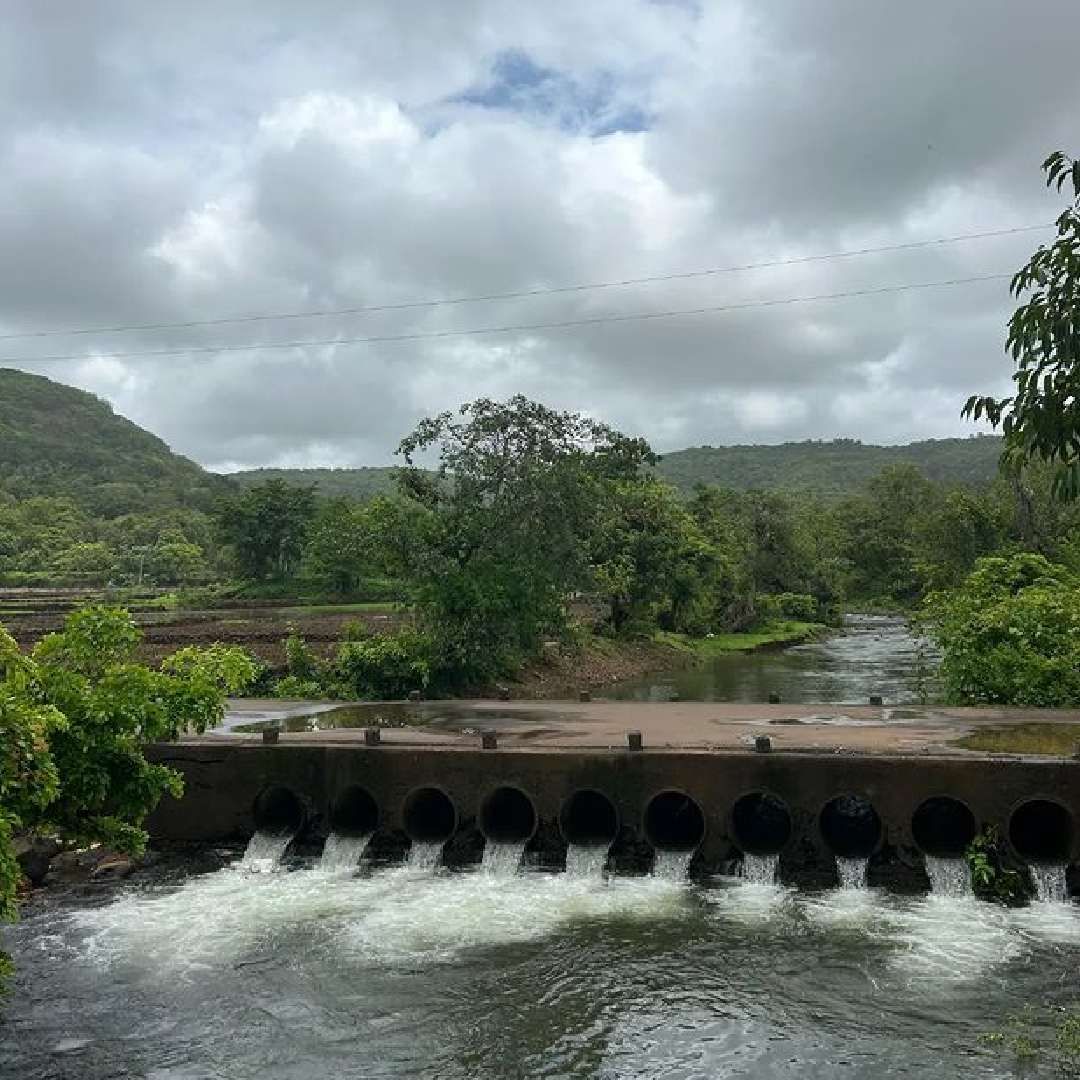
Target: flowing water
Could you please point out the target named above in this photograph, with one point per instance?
(265, 851)
(343, 851)
(851, 872)
(503, 856)
(672, 865)
(760, 869)
(871, 654)
(586, 860)
(425, 854)
(1049, 882)
(948, 876)
(477, 976)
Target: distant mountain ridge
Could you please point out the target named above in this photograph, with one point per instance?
(823, 468)
(59, 441)
(56, 440)
(831, 468)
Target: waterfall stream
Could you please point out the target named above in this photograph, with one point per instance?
(852, 872)
(503, 857)
(265, 850)
(948, 876)
(672, 865)
(343, 851)
(425, 854)
(1049, 881)
(586, 860)
(760, 869)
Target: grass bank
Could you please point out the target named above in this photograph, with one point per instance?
(599, 661)
(773, 635)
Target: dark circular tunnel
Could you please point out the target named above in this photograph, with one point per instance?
(761, 823)
(943, 826)
(850, 827)
(278, 810)
(1041, 831)
(429, 815)
(674, 822)
(589, 818)
(507, 815)
(354, 813)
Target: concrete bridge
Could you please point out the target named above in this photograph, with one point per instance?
(885, 784)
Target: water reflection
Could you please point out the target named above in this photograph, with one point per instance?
(870, 655)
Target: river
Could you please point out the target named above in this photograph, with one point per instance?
(473, 975)
(869, 655)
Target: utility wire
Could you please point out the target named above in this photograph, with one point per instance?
(527, 293)
(512, 328)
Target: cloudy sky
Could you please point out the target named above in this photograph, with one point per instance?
(185, 162)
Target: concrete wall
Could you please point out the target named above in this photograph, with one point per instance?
(224, 782)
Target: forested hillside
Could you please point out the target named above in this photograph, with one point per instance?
(57, 441)
(833, 468)
(830, 468)
(362, 483)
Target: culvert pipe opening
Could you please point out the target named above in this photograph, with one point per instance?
(429, 816)
(507, 816)
(278, 810)
(761, 823)
(674, 822)
(354, 813)
(943, 827)
(589, 819)
(1041, 831)
(850, 827)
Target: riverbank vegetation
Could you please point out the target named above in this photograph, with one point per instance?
(75, 715)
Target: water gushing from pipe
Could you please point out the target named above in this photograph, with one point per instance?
(760, 869)
(425, 854)
(503, 857)
(948, 876)
(586, 860)
(343, 851)
(852, 872)
(672, 865)
(1050, 883)
(265, 851)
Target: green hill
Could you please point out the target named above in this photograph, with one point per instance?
(361, 483)
(830, 468)
(59, 441)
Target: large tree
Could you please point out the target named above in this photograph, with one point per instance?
(1041, 420)
(266, 526)
(510, 502)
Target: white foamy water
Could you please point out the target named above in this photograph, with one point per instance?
(425, 855)
(393, 917)
(586, 860)
(851, 872)
(946, 939)
(343, 852)
(265, 851)
(671, 865)
(948, 877)
(760, 869)
(1049, 881)
(503, 856)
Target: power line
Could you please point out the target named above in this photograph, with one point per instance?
(527, 293)
(512, 328)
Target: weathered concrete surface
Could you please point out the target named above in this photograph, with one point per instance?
(688, 725)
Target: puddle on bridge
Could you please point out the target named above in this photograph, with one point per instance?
(438, 716)
(1051, 740)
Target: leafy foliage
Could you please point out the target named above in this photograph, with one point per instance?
(74, 717)
(1010, 634)
(1041, 420)
(991, 877)
(266, 528)
(507, 513)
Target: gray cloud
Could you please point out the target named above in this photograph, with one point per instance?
(172, 162)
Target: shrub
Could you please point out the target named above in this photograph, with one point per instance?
(384, 665)
(1010, 634)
